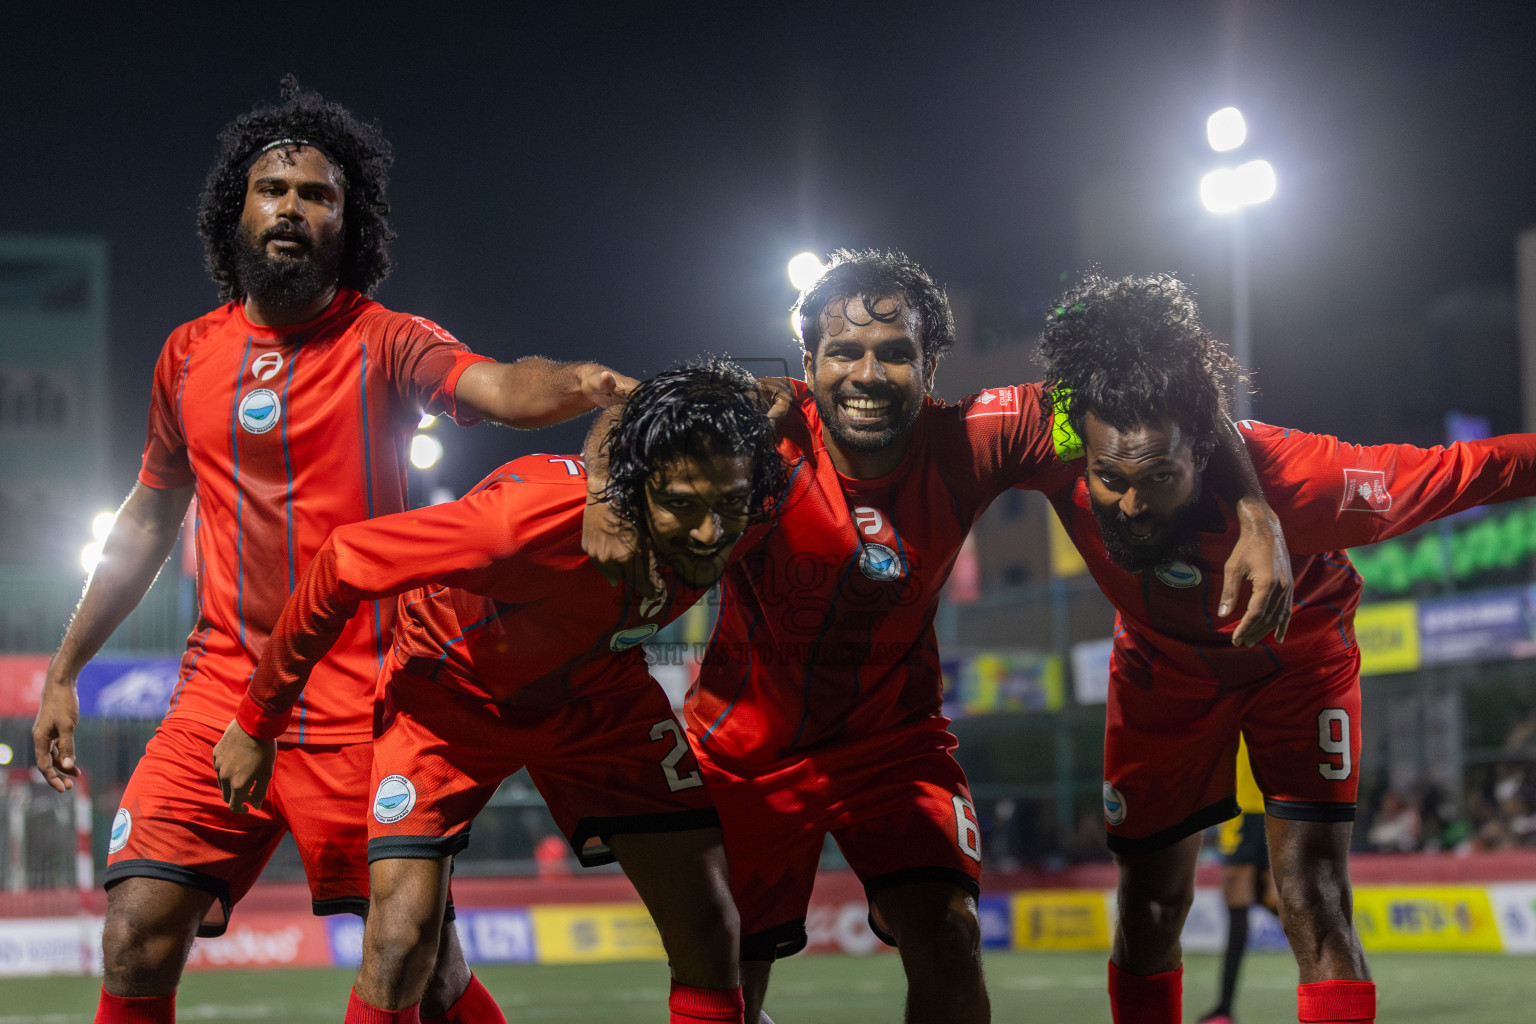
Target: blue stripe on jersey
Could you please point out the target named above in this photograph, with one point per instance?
(234, 444)
(1346, 565)
(288, 465)
(501, 609)
(362, 384)
(181, 388)
(191, 671)
(1344, 633)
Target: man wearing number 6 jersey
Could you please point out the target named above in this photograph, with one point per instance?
(1139, 389)
(511, 650)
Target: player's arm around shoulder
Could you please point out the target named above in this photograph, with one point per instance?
(140, 541)
(1260, 555)
(537, 392)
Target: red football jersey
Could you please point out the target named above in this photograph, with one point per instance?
(826, 626)
(508, 606)
(1329, 496)
(289, 432)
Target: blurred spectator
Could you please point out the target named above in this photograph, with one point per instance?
(1397, 826)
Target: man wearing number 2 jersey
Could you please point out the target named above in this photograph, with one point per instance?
(1180, 693)
(818, 703)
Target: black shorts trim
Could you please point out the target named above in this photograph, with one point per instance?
(774, 943)
(1204, 818)
(602, 829)
(417, 847)
(340, 905)
(910, 876)
(1307, 810)
(182, 876)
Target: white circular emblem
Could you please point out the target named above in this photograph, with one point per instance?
(1114, 805)
(1178, 574)
(879, 562)
(122, 826)
(260, 410)
(625, 639)
(394, 799)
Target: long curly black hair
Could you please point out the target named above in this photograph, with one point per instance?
(359, 147)
(699, 409)
(878, 274)
(1133, 351)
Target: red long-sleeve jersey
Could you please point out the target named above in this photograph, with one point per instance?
(826, 630)
(289, 432)
(1330, 496)
(497, 599)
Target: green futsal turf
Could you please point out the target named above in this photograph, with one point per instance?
(1046, 988)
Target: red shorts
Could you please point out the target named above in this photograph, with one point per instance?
(606, 765)
(1170, 764)
(173, 823)
(897, 804)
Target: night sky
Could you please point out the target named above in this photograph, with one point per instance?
(626, 182)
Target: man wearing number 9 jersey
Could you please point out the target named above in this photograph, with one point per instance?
(1142, 385)
(511, 650)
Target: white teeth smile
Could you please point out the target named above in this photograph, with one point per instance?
(866, 406)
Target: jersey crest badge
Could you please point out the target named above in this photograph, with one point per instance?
(266, 366)
(259, 411)
(1178, 574)
(1365, 490)
(629, 639)
(994, 402)
(122, 828)
(878, 559)
(879, 562)
(393, 800)
(1114, 805)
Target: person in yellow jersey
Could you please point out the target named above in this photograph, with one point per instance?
(1245, 880)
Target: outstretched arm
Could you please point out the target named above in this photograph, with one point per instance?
(1260, 555)
(141, 538)
(537, 392)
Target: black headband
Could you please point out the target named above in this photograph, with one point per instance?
(250, 161)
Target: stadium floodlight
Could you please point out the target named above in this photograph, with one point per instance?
(427, 419)
(1226, 129)
(101, 525)
(426, 450)
(7, 755)
(804, 269)
(1219, 191)
(1255, 182)
(90, 556)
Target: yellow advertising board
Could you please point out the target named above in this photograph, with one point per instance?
(1065, 561)
(1388, 634)
(587, 932)
(1060, 919)
(1440, 918)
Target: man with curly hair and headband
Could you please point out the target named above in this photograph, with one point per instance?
(512, 651)
(818, 705)
(1141, 391)
(288, 411)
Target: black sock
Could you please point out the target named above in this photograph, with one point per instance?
(1232, 961)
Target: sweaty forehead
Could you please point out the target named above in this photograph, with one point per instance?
(1142, 443)
(846, 313)
(303, 162)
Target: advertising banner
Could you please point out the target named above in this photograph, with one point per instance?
(1441, 918)
(267, 940)
(1061, 919)
(586, 933)
(1492, 624)
(1514, 908)
(1388, 635)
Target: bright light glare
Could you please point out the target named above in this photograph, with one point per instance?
(425, 451)
(102, 525)
(1226, 129)
(1218, 191)
(427, 419)
(804, 269)
(1255, 181)
(90, 556)
(794, 326)
(7, 755)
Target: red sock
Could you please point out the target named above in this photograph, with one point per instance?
(359, 1012)
(1336, 1002)
(135, 1009)
(1155, 999)
(706, 1004)
(475, 1006)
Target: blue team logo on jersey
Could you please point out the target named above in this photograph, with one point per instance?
(1178, 574)
(879, 562)
(259, 411)
(394, 799)
(122, 827)
(628, 639)
(1114, 805)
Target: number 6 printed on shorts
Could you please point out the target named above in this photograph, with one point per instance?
(967, 831)
(1333, 738)
(675, 782)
